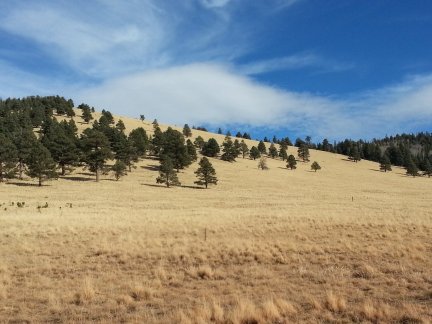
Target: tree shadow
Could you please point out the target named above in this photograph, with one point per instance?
(25, 184)
(87, 174)
(376, 170)
(76, 178)
(192, 187)
(154, 185)
(150, 167)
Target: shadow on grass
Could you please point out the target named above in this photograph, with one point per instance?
(25, 184)
(164, 186)
(376, 170)
(77, 178)
(87, 174)
(150, 167)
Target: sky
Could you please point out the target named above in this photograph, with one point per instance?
(326, 69)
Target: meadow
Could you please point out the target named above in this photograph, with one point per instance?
(345, 244)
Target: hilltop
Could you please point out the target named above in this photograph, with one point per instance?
(348, 243)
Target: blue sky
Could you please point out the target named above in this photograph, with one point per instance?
(335, 69)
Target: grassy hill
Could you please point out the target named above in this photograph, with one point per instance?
(347, 244)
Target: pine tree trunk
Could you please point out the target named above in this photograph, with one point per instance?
(97, 175)
(20, 170)
(40, 181)
(206, 184)
(63, 170)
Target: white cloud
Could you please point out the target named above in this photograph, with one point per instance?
(214, 3)
(216, 95)
(298, 61)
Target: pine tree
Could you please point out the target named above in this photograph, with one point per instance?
(283, 153)
(86, 113)
(411, 168)
(262, 164)
(254, 153)
(237, 147)
(229, 151)
(291, 162)
(206, 174)
(96, 149)
(199, 142)
(427, 168)
(191, 150)
(120, 125)
(8, 158)
(24, 143)
(355, 154)
(142, 118)
(40, 164)
(119, 169)
(124, 150)
(273, 151)
(244, 148)
(262, 148)
(167, 174)
(385, 164)
(138, 138)
(315, 166)
(173, 145)
(219, 131)
(303, 152)
(211, 148)
(187, 131)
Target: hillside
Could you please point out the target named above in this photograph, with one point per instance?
(348, 244)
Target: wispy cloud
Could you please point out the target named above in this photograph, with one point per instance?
(216, 95)
(294, 62)
(214, 3)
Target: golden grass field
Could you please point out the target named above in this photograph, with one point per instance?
(345, 244)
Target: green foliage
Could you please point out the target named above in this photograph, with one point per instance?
(244, 149)
(283, 153)
(96, 148)
(173, 146)
(142, 118)
(427, 168)
(229, 151)
(303, 152)
(273, 153)
(191, 150)
(411, 168)
(86, 113)
(187, 131)
(108, 116)
(40, 163)
(254, 153)
(315, 166)
(211, 148)
(8, 157)
(119, 169)
(120, 125)
(138, 138)
(355, 154)
(124, 150)
(291, 162)
(385, 164)
(24, 143)
(262, 148)
(167, 174)
(199, 142)
(206, 174)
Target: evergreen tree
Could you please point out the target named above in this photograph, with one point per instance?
(86, 113)
(237, 147)
(303, 152)
(173, 145)
(315, 166)
(167, 174)
(262, 164)
(291, 162)
(238, 135)
(283, 153)
(40, 164)
(120, 125)
(62, 145)
(24, 143)
(411, 168)
(199, 142)
(157, 140)
(211, 148)
(273, 151)
(355, 154)
(124, 150)
(119, 169)
(138, 138)
(96, 149)
(8, 158)
(262, 148)
(229, 151)
(219, 131)
(142, 118)
(254, 153)
(244, 148)
(427, 168)
(187, 131)
(191, 150)
(206, 174)
(109, 117)
(385, 164)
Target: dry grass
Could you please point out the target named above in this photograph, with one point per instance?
(346, 244)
